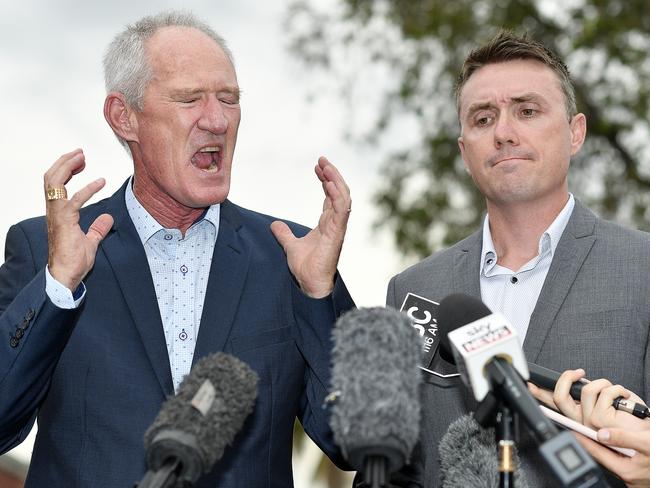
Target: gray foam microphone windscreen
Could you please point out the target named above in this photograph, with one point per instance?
(468, 457)
(198, 423)
(376, 376)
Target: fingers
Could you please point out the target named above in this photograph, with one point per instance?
(544, 396)
(589, 397)
(282, 233)
(562, 397)
(71, 250)
(604, 403)
(609, 459)
(64, 168)
(99, 229)
(637, 440)
(335, 187)
(82, 196)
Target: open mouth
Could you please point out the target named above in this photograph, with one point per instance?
(207, 159)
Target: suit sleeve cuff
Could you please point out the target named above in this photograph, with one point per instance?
(60, 295)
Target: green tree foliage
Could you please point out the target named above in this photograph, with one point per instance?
(416, 48)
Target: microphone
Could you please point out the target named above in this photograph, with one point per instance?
(375, 380)
(490, 359)
(547, 378)
(194, 427)
(468, 457)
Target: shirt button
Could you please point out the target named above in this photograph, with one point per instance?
(13, 342)
(513, 280)
(489, 261)
(168, 237)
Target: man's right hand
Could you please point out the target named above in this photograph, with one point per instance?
(71, 251)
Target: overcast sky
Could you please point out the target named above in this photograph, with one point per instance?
(51, 99)
(52, 93)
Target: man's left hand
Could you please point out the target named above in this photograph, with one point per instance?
(313, 258)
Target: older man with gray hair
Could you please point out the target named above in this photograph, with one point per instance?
(104, 309)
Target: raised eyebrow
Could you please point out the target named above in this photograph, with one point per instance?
(529, 97)
(476, 107)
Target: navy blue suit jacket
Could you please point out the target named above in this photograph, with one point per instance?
(95, 377)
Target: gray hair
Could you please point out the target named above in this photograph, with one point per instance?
(126, 68)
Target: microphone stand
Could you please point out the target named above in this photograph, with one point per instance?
(505, 446)
(492, 412)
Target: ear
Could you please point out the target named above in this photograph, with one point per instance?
(578, 127)
(121, 117)
(461, 146)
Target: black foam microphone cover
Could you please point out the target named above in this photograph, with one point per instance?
(376, 377)
(194, 427)
(455, 311)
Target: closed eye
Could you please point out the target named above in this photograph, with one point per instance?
(229, 101)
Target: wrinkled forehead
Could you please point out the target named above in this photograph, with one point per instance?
(178, 49)
(501, 83)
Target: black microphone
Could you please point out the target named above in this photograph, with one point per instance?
(375, 380)
(547, 378)
(468, 457)
(194, 427)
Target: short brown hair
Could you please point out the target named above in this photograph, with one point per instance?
(506, 46)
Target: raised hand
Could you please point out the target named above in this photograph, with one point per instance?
(313, 258)
(71, 251)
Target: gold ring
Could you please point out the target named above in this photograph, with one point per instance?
(56, 193)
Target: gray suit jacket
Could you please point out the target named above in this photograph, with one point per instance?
(593, 312)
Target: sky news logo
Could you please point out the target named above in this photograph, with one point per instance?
(487, 339)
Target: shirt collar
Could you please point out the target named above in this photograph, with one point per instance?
(146, 226)
(548, 240)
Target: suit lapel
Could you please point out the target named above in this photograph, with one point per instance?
(228, 272)
(466, 267)
(126, 256)
(571, 252)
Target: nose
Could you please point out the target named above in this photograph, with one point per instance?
(505, 131)
(213, 118)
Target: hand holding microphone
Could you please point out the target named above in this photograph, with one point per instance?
(573, 384)
(617, 427)
(600, 403)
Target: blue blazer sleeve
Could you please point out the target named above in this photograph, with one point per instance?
(314, 319)
(33, 332)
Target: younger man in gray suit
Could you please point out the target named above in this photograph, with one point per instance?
(574, 286)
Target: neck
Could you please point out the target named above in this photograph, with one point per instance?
(516, 229)
(167, 211)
